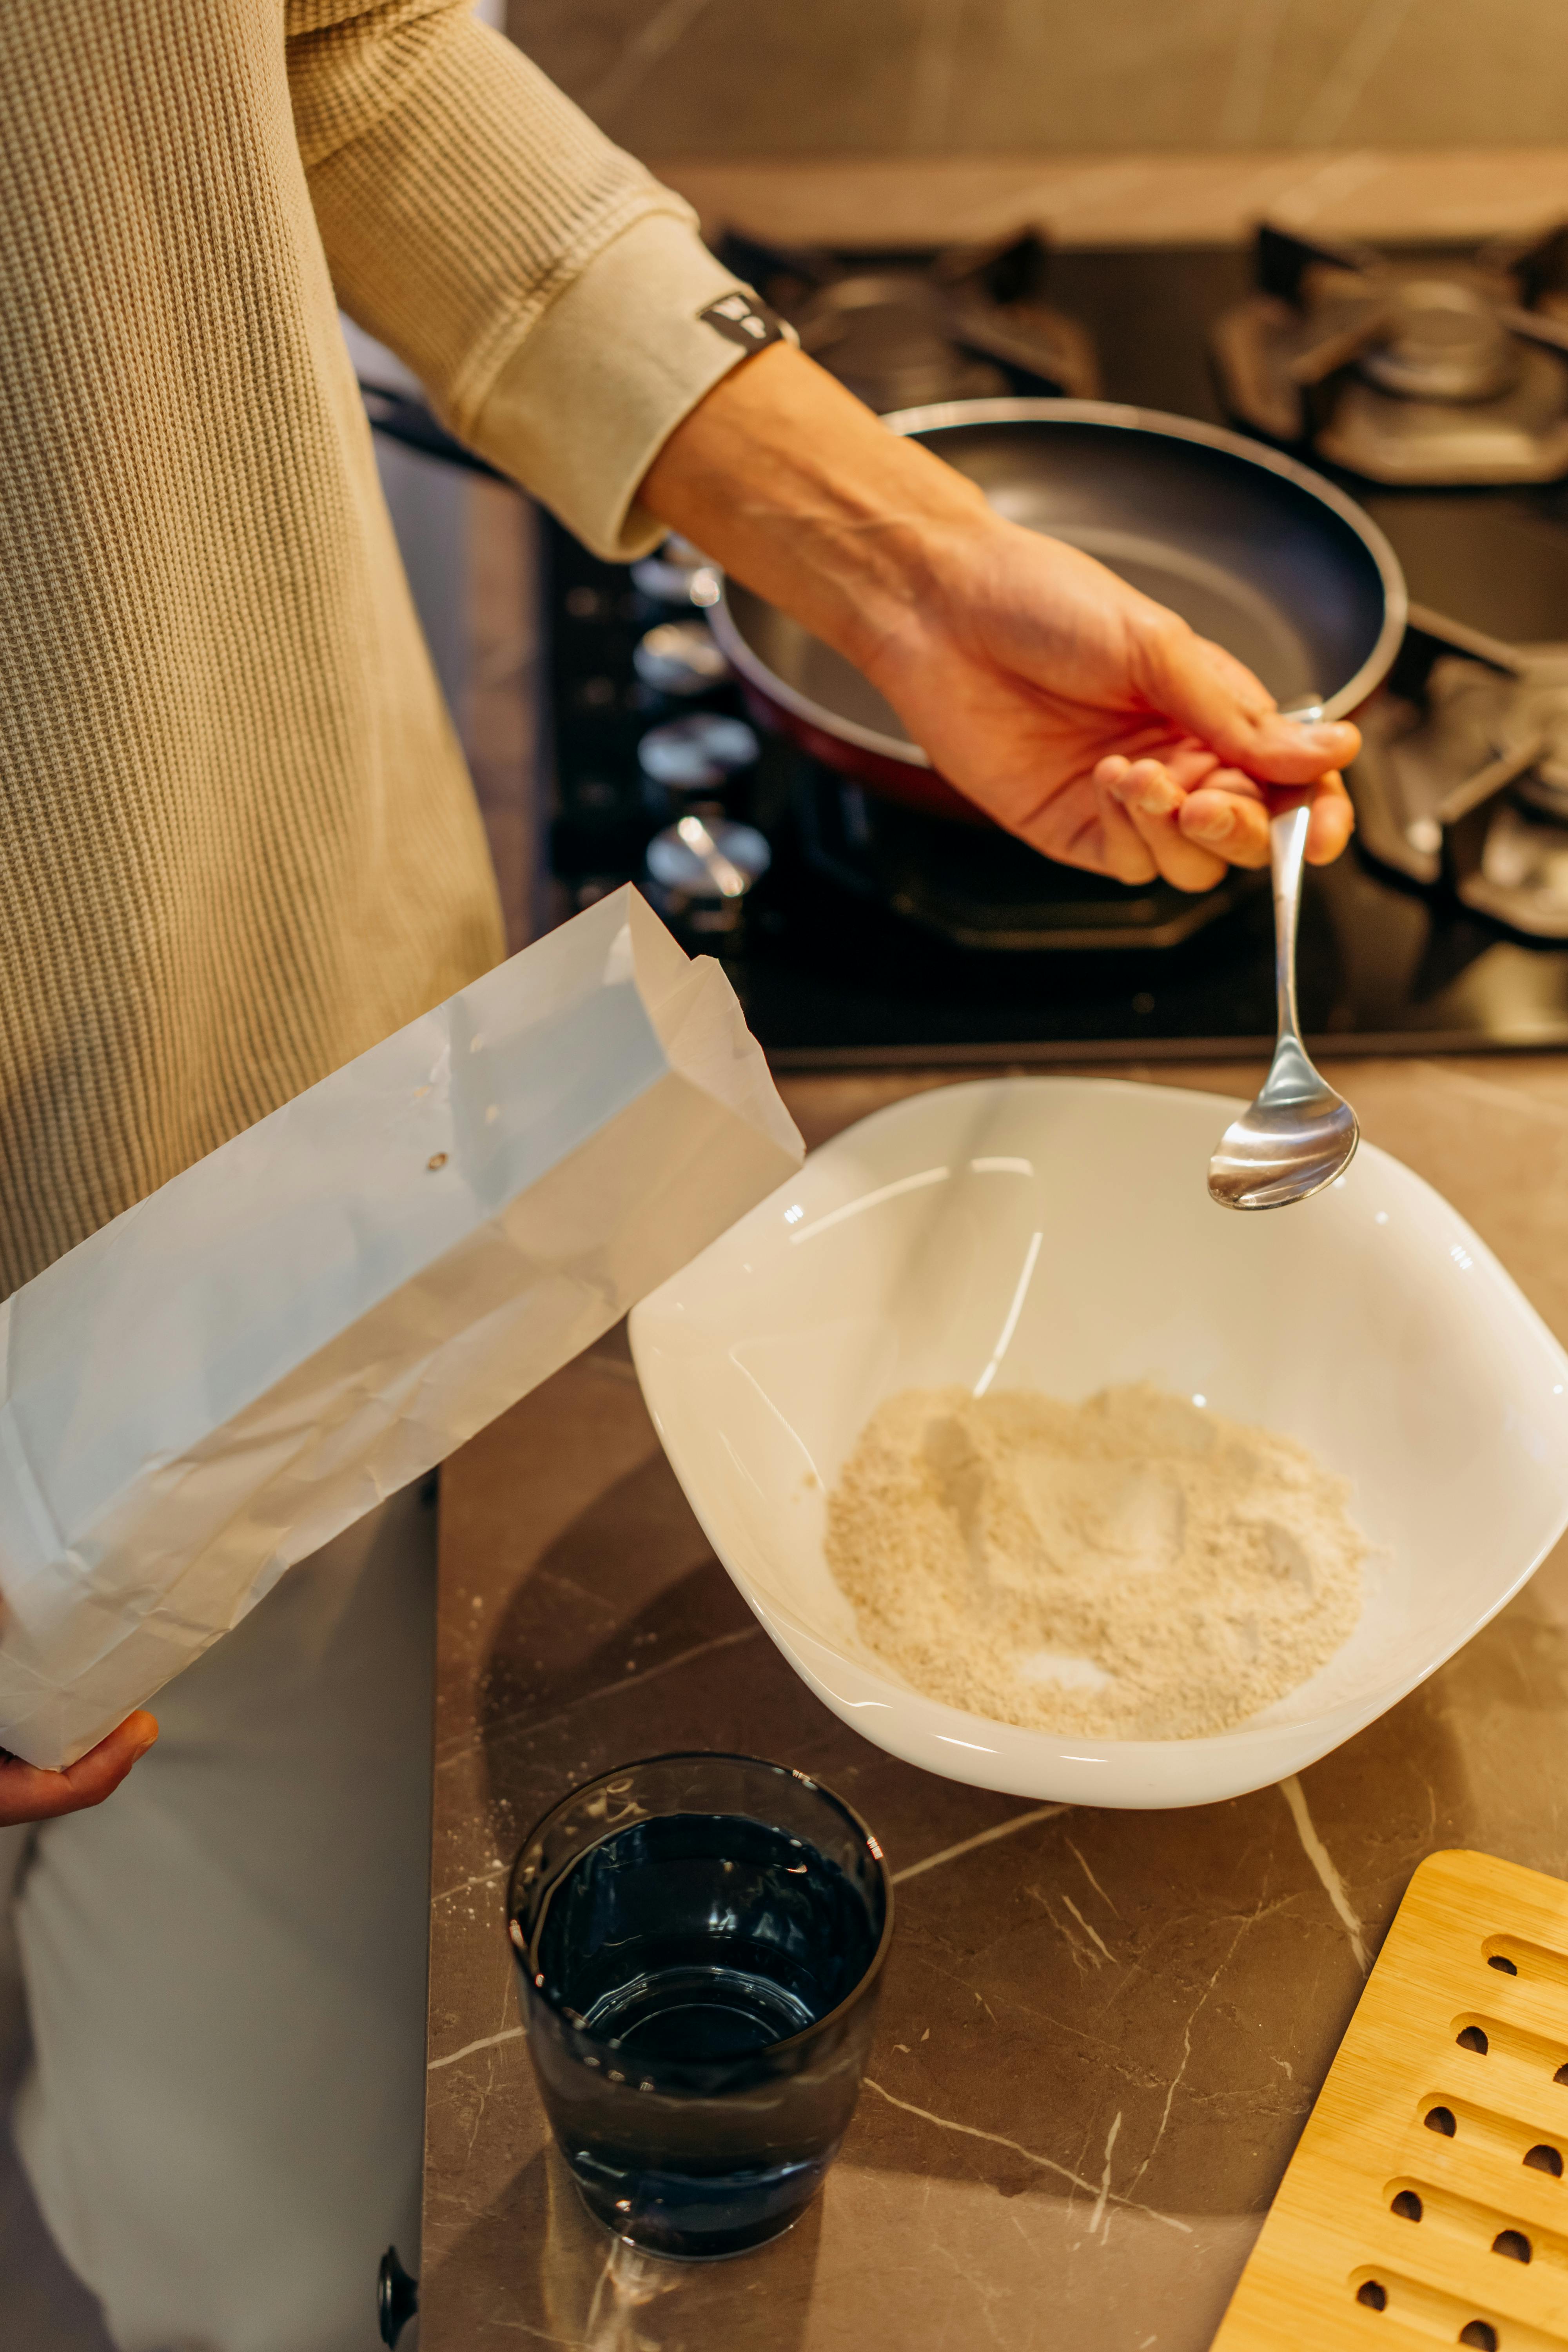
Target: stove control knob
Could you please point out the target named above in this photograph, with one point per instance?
(396, 2297)
(697, 755)
(677, 573)
(702, 871)
(680, 657)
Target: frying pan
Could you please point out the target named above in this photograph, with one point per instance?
(1257, 552)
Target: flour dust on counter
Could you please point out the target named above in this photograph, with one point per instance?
(1135, 1567)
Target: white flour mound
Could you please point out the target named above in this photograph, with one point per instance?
(1133, 1568)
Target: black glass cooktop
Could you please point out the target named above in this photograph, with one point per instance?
(870, 942)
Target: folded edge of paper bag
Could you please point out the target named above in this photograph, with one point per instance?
(702, 1030)
(187, 1545)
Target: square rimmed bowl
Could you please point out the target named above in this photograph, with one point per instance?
(1057, 1233)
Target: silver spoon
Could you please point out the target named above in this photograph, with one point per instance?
(1298, 1134)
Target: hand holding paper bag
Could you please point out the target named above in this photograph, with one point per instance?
(27, 1794)
(215, 1383)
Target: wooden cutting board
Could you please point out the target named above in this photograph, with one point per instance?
(1427, 2201)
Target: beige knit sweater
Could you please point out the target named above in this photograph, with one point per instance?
(237, 843)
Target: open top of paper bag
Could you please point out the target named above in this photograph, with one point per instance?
(219, 1381)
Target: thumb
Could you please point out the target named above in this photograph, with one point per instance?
(30, 1793)
(97, 1773)
(1211, 695)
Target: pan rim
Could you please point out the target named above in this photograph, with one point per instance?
(944, 415)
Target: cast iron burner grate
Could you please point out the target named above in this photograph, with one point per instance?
(1464, 774)
(1420, 371)
(902, 328)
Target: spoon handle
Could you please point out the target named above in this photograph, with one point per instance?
(1288, 848)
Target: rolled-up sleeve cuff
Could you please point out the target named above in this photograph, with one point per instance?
(589, 397)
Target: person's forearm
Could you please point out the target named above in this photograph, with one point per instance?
(1078, 711)
(782, 476)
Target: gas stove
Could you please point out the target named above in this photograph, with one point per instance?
(860, 933)
(1425, 368)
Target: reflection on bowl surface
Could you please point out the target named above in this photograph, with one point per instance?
(1057, 1233)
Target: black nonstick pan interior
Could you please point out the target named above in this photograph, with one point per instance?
(1254, 550)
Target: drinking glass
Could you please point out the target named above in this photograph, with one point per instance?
(699, 1939)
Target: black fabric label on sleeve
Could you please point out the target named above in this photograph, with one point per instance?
(742, 319)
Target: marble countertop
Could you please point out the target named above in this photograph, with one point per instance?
(1100, 2032)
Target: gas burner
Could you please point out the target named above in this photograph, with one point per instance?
(979, 889)
(1464, 772)
(901, 330)
(1408, 372)
(885, 334)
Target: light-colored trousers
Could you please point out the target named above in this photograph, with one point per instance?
(224, 1969)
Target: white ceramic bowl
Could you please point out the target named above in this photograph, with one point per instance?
(1062, 1228)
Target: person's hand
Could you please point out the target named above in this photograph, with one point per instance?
(1076, 711)
(1094, 722)
(29, 1794)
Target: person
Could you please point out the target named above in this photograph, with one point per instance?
(238, 847)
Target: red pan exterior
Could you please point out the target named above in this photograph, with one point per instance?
(897, 780)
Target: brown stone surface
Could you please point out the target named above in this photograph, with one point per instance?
(1125, 197)
(1100, 2031)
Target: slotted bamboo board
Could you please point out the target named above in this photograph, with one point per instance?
(1427, 2201)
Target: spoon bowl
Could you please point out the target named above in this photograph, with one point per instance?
(1295, 1139)
(1298, 1134)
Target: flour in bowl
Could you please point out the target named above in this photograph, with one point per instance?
(1133, 1568)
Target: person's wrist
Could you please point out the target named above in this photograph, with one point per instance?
(794, 487)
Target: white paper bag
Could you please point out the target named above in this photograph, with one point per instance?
(215, 1383)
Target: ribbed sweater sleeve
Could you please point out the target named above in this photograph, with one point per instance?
(545, 288)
